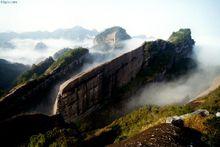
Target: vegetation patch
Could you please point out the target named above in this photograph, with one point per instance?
(68, 57)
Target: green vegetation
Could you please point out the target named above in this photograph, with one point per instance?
(35, 71)
(180, 36)
(145, 117)
(54, 138)
(142, 119)
(68, 57)
(159, 58)
(148, 116)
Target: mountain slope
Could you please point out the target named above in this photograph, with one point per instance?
(35, 71)
(28, 96)
(9, 72)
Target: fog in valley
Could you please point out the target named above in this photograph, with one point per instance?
(195, 84)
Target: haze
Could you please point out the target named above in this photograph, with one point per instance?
(151, 17)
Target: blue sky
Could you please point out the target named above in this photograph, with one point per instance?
(150, 17)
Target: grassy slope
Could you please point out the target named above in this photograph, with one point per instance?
(148, 116)
(67, 58)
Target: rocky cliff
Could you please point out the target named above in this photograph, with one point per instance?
(111, 81)
(28, 95)
(110, 38)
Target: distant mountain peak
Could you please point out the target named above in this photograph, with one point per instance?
(110, 38)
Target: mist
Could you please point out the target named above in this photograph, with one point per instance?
(195, 84)
(25, 52)
(95, 58)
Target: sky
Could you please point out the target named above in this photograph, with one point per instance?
(157, 18)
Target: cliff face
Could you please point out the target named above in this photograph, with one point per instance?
(24, 97)
(110, 38)
(89, 89)
(152, 61)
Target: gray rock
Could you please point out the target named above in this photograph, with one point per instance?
(110, 38)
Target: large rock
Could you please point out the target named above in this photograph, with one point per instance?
(110, 38)
(164, 135)
(85, 91)
(153, 61)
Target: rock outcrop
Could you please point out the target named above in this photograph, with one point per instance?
(153, 61)
(26, 96)
(164, 135)
(89, 89)
(110, 38)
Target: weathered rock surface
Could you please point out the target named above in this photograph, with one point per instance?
(110, 38)
(24, 97)
(179, 120)
(164, 135)
(153, 61)
(87, 90)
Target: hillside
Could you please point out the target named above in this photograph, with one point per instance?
(67, 58)
(9, 72)
(29, 94)
(142, 126)
(35, 71)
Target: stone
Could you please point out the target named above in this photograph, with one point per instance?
(217, 114)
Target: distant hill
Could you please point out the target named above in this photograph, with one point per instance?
(7, 45)
(9, 72)
(75, 33)
(110, 38)
(40, 46)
